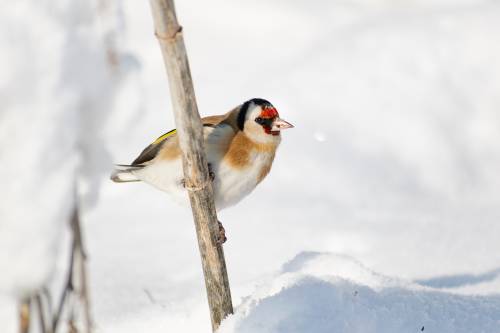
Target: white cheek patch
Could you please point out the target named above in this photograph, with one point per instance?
(255, 131)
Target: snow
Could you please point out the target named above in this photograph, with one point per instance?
(319, 292)
(53, 126)
(381, 211)
(36, 152)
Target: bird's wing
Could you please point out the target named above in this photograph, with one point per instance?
(152, 150)
(214, 127)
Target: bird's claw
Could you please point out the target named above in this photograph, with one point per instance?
(221, 239)
(211, 174)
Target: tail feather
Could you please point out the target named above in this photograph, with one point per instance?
(127, 167)
(123, 174)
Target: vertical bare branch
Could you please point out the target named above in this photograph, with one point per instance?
(189, 129)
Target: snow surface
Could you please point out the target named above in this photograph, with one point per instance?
(386, 194)
(57, 92)
(318, 292)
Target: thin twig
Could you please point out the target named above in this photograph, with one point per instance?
(77, 263)
(68, 288)
(81, 257)
(41, 313)
(46, 293)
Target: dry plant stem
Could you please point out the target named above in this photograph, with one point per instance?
(41, 313)
(77, 270)
(46, 294)
(79, 262)
(189, 129)
(24, 315)
(68, 288)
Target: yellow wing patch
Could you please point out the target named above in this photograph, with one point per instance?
(164, 136)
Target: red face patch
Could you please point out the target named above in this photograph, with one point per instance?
(269, 112)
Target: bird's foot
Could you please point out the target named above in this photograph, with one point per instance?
(211, 174)
(221, 239)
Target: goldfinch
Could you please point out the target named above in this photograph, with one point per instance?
(240, 147)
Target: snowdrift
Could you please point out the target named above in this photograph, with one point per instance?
(324, 293)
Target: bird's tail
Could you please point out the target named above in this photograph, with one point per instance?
(124, 173)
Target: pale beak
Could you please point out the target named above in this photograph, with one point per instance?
(280, 124)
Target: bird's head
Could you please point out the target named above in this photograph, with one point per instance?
(259, 119)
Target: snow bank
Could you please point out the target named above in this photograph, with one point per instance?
(37, 135)
(329, 293)
(60, 75)
(393, 161)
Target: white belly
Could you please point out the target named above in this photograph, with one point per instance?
(230, 184)
(167, 177)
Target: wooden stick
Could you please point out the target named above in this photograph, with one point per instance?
(190, 133)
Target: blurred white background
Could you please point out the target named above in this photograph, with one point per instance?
(394, 161)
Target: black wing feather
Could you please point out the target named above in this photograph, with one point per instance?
(152, 150)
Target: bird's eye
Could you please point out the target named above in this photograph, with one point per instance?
(259, 120)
